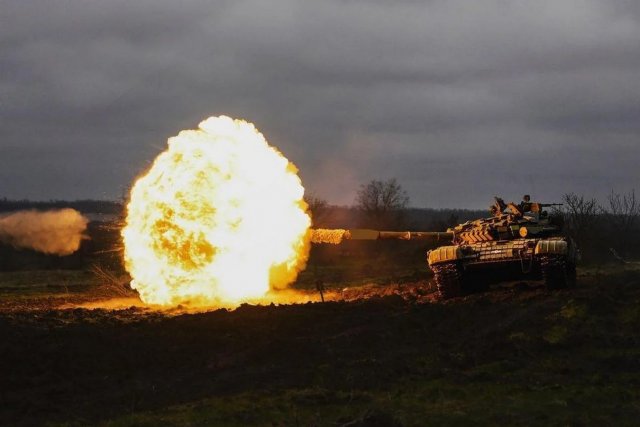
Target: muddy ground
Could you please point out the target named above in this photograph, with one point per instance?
(377, 355)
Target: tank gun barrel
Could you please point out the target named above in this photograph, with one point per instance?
(336, 236)
(365, 234)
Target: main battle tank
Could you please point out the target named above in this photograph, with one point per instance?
(518, 239)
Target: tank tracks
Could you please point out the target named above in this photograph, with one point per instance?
(448, 278)
(558, 272)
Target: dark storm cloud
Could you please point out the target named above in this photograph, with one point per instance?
(459, 100)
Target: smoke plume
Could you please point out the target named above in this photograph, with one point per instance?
(56, 232)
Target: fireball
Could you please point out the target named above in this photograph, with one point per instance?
(219, 219)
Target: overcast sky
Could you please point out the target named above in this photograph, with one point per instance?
(459, 100)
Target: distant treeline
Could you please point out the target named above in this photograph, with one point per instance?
(420, 219)
(604, 231)
(326, 216)
(102, 247)
(84, 206)
(608, 232)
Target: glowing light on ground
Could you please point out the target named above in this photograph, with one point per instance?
(219, 219)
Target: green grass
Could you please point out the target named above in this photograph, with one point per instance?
(361, 272)
(44, 283)
(512, 358)
(574, 362)
(467, 401)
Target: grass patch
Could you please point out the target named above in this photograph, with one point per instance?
(422, 402)
(44, 283)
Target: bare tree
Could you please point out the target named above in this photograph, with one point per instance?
(318, 207)
(580, 216)
(382, 202)
(623, 214)
(625, 209)
(580, 213)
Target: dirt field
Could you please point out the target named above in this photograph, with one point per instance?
(378, 355)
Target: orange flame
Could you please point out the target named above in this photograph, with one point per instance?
(218, 220)
(324, 235)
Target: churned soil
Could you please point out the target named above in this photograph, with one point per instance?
(63, 364)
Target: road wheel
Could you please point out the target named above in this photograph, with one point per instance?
(448, 277)
(557, 273)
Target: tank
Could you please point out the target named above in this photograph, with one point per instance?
(517, 241)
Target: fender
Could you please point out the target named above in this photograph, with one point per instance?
(444, 254)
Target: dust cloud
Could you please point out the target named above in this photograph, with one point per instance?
(55, 232)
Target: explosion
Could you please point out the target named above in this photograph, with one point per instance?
(219, 219)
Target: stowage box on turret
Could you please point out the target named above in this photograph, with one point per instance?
(516, 238)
